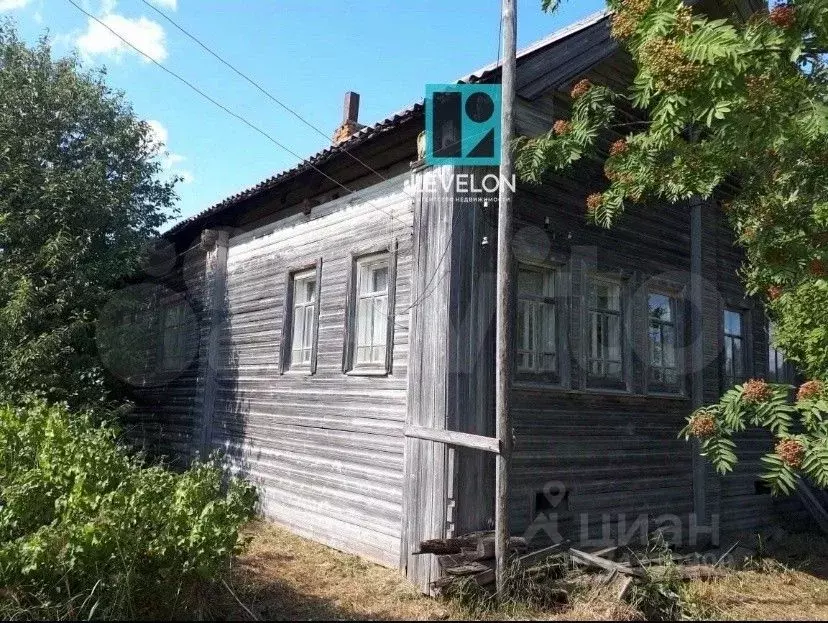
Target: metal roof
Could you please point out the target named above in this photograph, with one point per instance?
(390, 123)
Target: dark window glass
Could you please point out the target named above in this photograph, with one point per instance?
(536, 332)
(662, 333)
(734, 349)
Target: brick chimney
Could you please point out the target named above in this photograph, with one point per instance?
(350, 118)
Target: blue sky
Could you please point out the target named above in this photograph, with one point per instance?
(307, 53)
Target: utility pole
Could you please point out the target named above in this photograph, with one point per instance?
(503, 346)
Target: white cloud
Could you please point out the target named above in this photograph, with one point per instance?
(11, 5)
(172, 5)
(99, 7)
(159, 137)
(171, 160)
(145, 34)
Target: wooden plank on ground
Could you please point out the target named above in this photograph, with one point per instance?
(602, 563)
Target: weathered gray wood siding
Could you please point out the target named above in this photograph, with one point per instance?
(428, 464)
(617, 453)
(326, 450)
(166, 420)
(613, 452)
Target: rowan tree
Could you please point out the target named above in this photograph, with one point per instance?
(736, 111)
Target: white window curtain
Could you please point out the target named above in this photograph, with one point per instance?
(304, 314)
(371, 339)
(604, 316)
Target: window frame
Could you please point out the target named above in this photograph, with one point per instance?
(678, 301)
(590, 382)
(286, 363)
(164, 357)
(788, 376)
(744, 315)
(557, 301)
(350, 365)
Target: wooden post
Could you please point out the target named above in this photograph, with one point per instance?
(697, 354)
(215, 243)
(503, 348)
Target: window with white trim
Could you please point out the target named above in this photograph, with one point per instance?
(604, 327)
(303, 321)
(733, 361)
(371, 313)
(662, 335)
(536, 329)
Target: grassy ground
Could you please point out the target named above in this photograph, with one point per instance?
(283, 576)
(789, 582)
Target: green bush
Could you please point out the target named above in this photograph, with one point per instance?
(87, 529)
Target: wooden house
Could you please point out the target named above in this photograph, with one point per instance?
(329, 328)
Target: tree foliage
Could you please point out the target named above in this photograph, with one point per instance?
(80, 197)
(737, 111)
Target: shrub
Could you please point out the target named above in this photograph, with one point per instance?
(89, 529)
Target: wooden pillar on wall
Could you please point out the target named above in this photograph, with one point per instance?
(448, 488)
(697, 354)
(705, 309)
(214, 243)
(428, 485)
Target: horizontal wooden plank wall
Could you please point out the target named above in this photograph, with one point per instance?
(166, 420)
(615, 453)
(326, 449)
(745, 505)
(566, 430)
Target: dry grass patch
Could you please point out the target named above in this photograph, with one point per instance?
(283, 576)
(762, 595)
(788, 582)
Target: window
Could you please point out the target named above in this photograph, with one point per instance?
(301, 320)
(734, 348)
(371, 326)
(662, 313)
(303, 327)
(779, 369)
(173, 345)
(536, 332)
(605, 363)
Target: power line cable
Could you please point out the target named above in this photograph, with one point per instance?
(255, 128)
(420, 299)
(226, 109)
(293, 112)
(256, 84)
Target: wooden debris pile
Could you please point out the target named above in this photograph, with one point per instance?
(471, 558)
